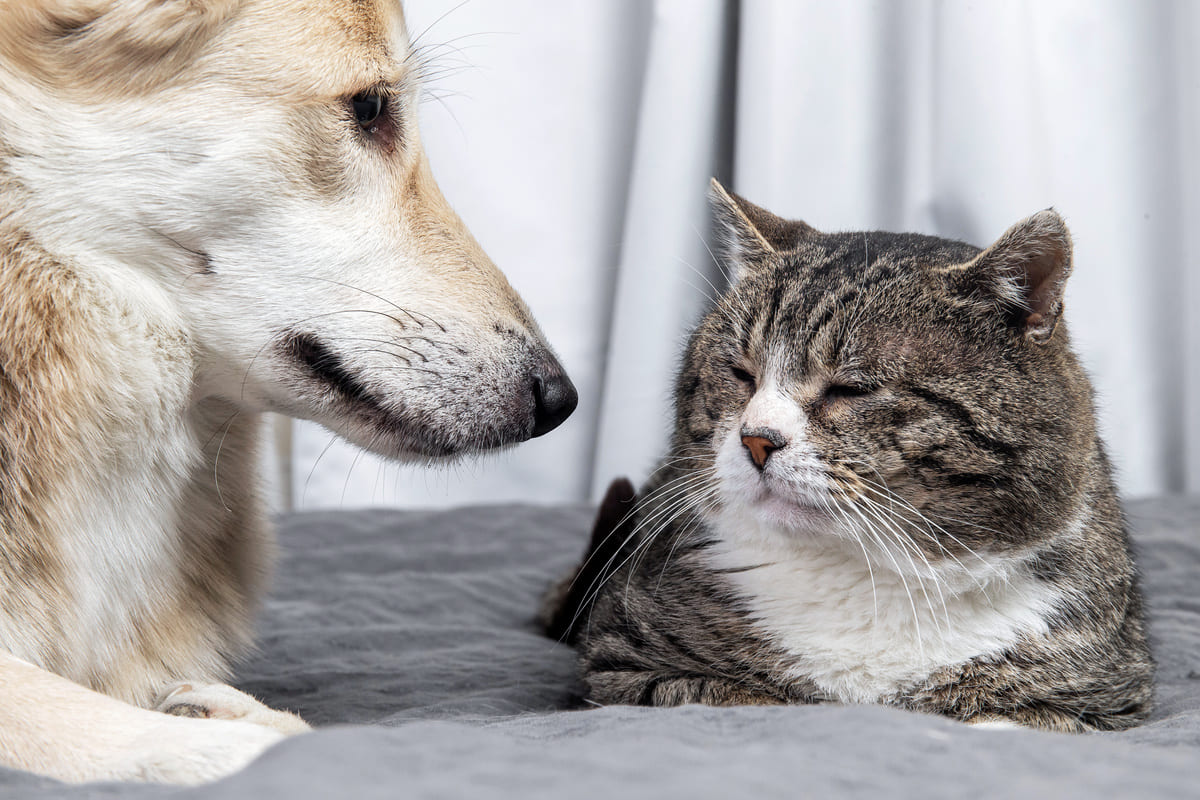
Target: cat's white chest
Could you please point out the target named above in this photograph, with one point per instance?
(863, 633)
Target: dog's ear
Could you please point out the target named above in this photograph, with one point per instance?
(748, 234)
(126, 46)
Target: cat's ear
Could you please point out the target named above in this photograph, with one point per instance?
(1026, 271)
(747, 234)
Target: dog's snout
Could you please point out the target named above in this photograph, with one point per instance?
(554, 396)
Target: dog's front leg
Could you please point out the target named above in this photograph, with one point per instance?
(58, 728)
(218, 701)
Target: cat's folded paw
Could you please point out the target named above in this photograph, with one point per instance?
(650, 688)
(994, 724)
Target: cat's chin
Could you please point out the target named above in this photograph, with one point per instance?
(776, 504)
(791, 514)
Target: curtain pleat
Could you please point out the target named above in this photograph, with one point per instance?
(666, 271)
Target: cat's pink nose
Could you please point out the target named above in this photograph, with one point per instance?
(761, 443)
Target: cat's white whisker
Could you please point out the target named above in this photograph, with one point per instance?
(711, 502)
(933, 529)
(967, 523)
(679, 492)
(666, 488)
(712, 298)
(876, 510)
(605, 572)
(667, 512)
(900, 573)
(724, 297)
(688, 505)
(854, 534)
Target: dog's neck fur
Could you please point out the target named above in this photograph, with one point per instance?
(128, 469)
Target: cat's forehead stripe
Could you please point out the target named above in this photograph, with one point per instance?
(809, 305)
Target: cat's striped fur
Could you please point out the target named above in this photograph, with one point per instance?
(885, 485)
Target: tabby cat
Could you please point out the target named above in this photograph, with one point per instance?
(885, 485)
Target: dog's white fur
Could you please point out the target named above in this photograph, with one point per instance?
(195, 229)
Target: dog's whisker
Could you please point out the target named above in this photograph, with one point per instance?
(217, 463)
(414, 315)
(415, 41)
(313, 469)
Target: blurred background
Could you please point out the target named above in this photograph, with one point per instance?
(576, 139)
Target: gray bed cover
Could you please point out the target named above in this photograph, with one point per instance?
(407, 637)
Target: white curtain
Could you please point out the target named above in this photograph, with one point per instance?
(576, 138)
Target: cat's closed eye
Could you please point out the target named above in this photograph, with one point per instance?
(743, 377)
(836, 392)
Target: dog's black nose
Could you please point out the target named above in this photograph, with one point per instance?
(554, 396)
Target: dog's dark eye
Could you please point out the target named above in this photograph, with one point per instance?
(367, 109)
(377, 118)
(743, 377)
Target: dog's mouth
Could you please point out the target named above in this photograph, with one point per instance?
(358, 402)
(328, 367)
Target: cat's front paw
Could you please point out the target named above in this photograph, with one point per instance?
(218, 701)
(657, 689)
(994, 724)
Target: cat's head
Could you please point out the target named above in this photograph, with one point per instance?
(890, 385)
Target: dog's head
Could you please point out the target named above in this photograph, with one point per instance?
(257, 166)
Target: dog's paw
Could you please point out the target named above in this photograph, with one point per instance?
(218, 701)
(192, 751)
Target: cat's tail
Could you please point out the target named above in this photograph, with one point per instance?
(565, 606)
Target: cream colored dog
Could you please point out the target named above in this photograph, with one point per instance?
(209, 210)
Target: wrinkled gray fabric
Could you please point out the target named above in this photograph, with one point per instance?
(408, 637)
